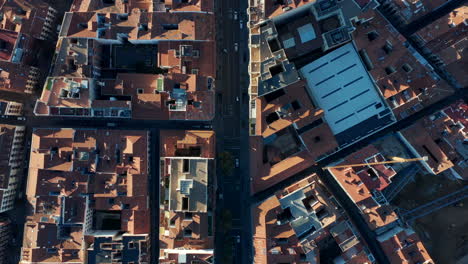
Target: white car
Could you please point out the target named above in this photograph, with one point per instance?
(236, 46)
(235, 15)
(237, 98)
(237, 163)
(241, 24)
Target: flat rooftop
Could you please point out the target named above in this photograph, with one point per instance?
(340, 84)
(188, 185)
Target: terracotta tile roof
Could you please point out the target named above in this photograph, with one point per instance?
(404, 246)
(446, 37)
(411, 10)
(424, 144)
(26, 17)
(201, 57)
(148, 5)
(148, 96)
(7, 40)
(276, 8)
(177, 142)
(441, 138)
(61, 162)
(265, 174)
(157, 25)
(17, 78)
(360, 182)
(404, 78)
(275, 120)
(274, 235)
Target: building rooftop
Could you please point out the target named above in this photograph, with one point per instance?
(141, 96)
(148, 5)
(411, 10)
(364, 184)
(138, 25)
(18, 78)
(402, 245)
(176, 256)
(26, 16)
(188, 57)
(446, 38)
(339, 84)
(442, 138)
(186, 212)
(300, 224)
(405, 79)
(188, 185)
(8, 40)
(187, 143)
(10, 108)
(62, 162)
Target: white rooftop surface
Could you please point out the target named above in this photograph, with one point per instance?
(306, 33)
(342, 87)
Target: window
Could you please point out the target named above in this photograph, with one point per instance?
(170, 26)
(188, 216)
(296, 105)
(377, 106)
(172, 222)
(187, 233)
(373, 35)
(407, 68)
(196, 53)
(131, 245)
(185, 165)
(390, 70)
(388, 47)
(139, 90)
(194, 71)
(185, 203)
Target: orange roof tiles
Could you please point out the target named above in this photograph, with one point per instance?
(276, 8)
(7, 40)
(187, 228)
(276, 241)
(148, 94)
(62, 161)
(411, 10)
(158, 25)
(440, 137)
(28, 17)
(275, 120)
(446, 37)
(405, 80)
(16, 77)
(404, 246)
(176, 142)
(201, 59)
(360, 182)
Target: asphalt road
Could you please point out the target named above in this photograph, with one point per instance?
(231, 126)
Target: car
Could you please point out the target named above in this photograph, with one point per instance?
(237, 98)
(241, 24)
(225, 51)
(237, 163)
(21, 118)
(236, 46)
(111, 124)
(238, 239)
(235, 15)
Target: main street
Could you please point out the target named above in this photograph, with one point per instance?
(232, 132)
